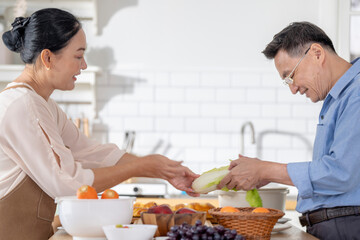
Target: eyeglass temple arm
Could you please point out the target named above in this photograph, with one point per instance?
(299, 61)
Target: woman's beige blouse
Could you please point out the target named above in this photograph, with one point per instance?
(31, 131)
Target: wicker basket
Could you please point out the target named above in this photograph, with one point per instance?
(250, 225)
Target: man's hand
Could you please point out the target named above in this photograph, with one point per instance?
(249, 173)
(245, 174)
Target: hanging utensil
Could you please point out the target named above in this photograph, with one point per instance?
(86, 127)
(129, 141)
(77, 123)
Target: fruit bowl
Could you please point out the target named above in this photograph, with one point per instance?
(165, 218)
(84, 218)
(247, 223)
(130, 232)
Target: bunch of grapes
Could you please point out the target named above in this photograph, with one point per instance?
(202, 232)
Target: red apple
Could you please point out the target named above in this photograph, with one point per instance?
(164, 209)
(185, 210)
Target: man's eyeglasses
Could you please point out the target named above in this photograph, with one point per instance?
(288, 80)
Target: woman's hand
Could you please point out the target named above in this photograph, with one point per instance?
(158, 166)
(183, 182)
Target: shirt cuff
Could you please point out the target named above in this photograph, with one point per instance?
(299, 174)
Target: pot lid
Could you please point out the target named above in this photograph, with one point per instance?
(275, 186)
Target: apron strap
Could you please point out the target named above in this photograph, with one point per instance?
(16, 86)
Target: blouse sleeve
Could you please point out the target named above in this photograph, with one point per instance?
(32, 135)
(89, 152)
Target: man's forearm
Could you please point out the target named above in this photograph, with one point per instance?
(276, 172)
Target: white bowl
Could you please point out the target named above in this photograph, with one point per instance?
(133, 232)
(84, 218)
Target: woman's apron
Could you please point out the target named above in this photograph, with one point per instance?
(26, 213)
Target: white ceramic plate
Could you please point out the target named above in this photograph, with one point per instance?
(283, 220)
(281, 227)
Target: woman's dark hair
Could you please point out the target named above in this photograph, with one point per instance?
(48, 28)
(295, 38)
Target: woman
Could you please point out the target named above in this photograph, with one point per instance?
(42, 154)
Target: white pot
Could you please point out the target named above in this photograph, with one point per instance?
(271, 198)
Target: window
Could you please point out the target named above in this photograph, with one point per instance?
(354, 29)
(349, 29)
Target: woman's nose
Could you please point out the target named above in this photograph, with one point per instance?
(83, 65)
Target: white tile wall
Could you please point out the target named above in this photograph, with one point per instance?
(196, 115)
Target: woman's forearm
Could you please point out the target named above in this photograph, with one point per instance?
(154, 166)
(110, 176)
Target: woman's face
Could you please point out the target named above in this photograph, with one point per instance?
(68, 63)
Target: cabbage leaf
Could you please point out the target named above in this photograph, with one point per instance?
(208, 181)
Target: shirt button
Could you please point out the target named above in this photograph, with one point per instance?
(322, 117)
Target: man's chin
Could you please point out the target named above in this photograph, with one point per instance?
(314, 100)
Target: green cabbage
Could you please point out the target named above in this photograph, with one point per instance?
(253, 198)
(208, 181)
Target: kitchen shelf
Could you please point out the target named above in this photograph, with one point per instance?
(83, 93)
(83, 9)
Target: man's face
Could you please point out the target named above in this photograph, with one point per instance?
(308, 75)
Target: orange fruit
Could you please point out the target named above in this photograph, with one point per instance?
(86, 192)
(229, 209)
(109, 194)
(260, 210)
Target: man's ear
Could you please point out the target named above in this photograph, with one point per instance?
(46, 58)
(317, 51)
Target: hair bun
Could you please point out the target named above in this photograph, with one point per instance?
(20, 22)
(14, 38)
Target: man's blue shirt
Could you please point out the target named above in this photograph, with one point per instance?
(332, 178)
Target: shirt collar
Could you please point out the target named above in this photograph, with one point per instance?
(345, 79)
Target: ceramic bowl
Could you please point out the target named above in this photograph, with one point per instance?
(130, 232)
(84, 218)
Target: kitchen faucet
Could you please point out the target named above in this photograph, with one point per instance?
(243, 127)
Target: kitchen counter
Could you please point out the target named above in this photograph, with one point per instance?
(290, 204)
(292, 233)
(289, 234)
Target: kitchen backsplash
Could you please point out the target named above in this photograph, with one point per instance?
(196, 115)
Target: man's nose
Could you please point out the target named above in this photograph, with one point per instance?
(293, 88)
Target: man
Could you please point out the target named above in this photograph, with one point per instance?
(329, 185)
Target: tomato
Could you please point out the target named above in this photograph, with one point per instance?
(109, 194)
(86, 192)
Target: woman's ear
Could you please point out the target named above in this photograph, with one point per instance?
(46, 58)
